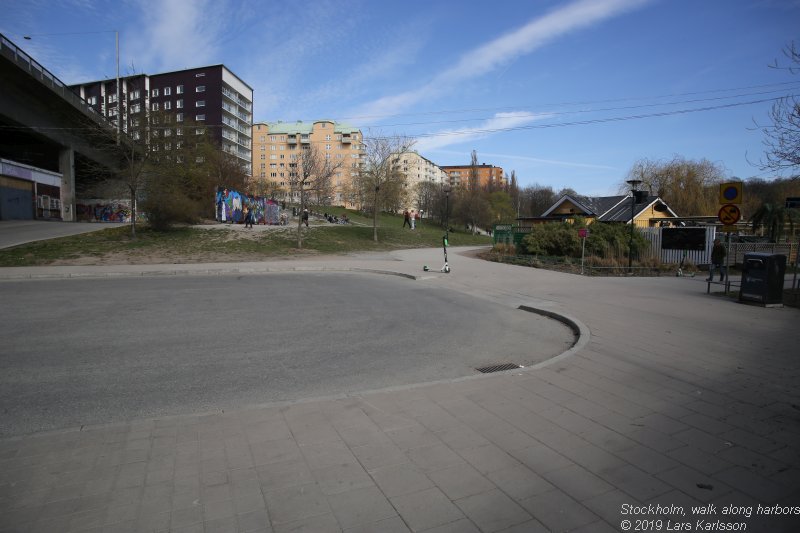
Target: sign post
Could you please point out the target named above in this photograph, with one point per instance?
(583, 233)
(729, 214)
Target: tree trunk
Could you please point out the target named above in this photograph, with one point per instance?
(375, 217)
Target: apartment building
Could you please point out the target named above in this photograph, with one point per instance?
(212, 95)
(275, 144)
(460, 175)
(419, 169)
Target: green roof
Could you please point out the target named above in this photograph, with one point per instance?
(306, 127)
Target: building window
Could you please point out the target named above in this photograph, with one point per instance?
(179, 133)
(199, 74)
(135, 108)
(200, 103)
(272, 147)
(200, 117)
(112, 112)
(179, 89)
(200, 89)
(327, 146)
(134, 95)
(167, 105)
(179, 117)
(263, 156)
(112, 98)
(154, 106)
(179, 104)
(154, 92)
(167, 91)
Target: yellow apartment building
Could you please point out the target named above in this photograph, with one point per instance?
(275, 144)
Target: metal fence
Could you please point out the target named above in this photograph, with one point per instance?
(510, 234)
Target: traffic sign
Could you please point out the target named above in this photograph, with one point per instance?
(730, 193)
(729, 214)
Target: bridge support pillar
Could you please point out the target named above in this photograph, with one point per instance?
(66, 165)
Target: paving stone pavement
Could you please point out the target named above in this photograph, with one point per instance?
(672, 403)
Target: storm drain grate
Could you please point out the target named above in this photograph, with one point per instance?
(497, 368)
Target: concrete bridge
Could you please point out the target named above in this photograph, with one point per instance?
(43, 125)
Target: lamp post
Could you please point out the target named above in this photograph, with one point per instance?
(633, 184)
(116, 46)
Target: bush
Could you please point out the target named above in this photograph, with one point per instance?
(163, 211)
(552, 239)
(504, 249)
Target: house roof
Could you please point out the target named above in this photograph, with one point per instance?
(609, 208)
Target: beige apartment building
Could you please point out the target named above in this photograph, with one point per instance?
(418, 169)
(275, 144)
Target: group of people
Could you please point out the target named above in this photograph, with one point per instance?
(335, 219)
(284, 217)
(411, 218)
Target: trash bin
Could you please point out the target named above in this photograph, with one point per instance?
(762, 278)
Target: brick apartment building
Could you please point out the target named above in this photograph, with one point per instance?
(460, 175)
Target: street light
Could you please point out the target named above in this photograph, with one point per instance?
(116, 43)
(633, 184)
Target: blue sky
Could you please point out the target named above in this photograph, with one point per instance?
(546, 88)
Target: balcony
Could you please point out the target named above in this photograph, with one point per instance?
(291, 139)
(305, 139)
(346, 139)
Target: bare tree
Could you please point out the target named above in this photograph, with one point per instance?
(688, 187)
(536, 199)
(782, 138)
(379, 175)
(472, 205)
(311, 173)
(135, 158)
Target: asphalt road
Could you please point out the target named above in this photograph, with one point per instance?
(16, 232)
(82, 352)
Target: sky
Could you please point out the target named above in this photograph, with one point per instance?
(567, 94)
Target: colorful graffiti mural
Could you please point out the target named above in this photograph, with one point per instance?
(104, 212)
(230, 207)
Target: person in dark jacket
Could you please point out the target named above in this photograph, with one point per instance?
(718, 253)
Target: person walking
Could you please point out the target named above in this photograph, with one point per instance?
(248, 217)
(718, 253)
(413, 220)
(305, 216)
(406, 218)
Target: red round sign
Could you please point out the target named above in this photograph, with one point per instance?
(729, 214)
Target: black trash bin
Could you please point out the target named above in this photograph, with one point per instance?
(762, 278)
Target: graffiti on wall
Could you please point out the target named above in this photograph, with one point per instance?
(103, 212)
(230, 206)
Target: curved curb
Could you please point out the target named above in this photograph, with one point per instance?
(577, 327)
(167, 272)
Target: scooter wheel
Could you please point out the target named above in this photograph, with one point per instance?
(447, 269)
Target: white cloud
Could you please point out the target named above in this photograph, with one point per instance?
(498, 123)
(489, 57)
(174, 34)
